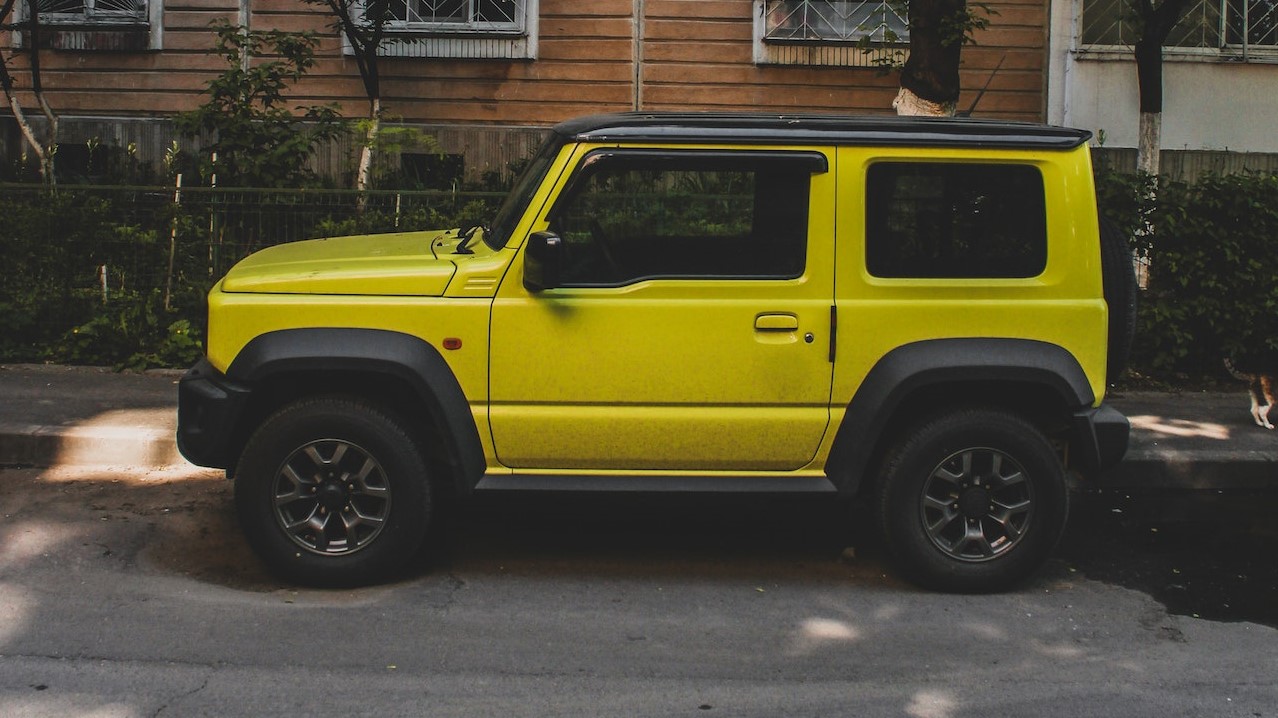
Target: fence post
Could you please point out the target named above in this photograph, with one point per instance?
(213, 217)
(168, 279)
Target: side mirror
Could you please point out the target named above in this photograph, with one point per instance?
(543, 261)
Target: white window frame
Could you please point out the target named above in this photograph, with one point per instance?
(842, 47)
(151, 18)
(516, 40)
(94, 15)
(1220, 51)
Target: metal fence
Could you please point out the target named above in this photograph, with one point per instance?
(147, 255)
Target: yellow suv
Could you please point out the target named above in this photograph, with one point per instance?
(922, 313)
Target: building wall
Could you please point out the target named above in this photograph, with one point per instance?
(598, 56)
(592, 57)
(1208, 104)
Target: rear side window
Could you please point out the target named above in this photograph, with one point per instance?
(635, 215)
(955, 220)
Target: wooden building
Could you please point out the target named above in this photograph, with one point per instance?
(480, 74)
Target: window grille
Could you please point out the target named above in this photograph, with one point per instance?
(93, 11)
(880, 21)
(1235, 28)
(458, 16)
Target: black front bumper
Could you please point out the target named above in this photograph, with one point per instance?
(1099, 439)
(210, 407)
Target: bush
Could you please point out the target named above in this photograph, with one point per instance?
(1210, 248)
(257, 139)
(119, 276)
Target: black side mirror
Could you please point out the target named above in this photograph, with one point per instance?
(543, 261)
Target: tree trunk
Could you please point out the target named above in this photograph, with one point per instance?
(909, 104)
(1149, 73)
(43, 150)
(1148, 150)
(930, 78)
(27, 131)
(1156, 26)
(37, 88)
(362, 175)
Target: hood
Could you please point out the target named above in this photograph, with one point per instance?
(400, 264)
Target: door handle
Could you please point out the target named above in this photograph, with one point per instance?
(776, 323)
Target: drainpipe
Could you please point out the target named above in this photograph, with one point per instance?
(637, 52)
(245, 18)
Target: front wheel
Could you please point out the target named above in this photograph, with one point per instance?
(972, 500)
(333, 491)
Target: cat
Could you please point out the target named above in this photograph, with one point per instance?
(1261, 386)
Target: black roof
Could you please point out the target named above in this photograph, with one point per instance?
(754, 128)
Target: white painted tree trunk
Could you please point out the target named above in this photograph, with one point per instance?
(366, 152)
(29, 133)
(1147, 151)
(908, 104)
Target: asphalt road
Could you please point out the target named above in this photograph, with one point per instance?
(130, 593)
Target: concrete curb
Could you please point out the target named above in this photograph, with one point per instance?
(90, 416)
(42, 446)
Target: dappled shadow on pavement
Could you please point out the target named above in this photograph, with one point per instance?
(1202, 554)
(177, 521)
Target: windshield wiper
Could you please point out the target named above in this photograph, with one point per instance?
(467, 234)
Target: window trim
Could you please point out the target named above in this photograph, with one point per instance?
(110, 18)
(1225, 53)
(917, 279)
(821, 52)
(153, 24)
(452, 40)
(710, 160)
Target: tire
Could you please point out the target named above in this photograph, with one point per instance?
(965, 470)
(1118, 278)
(333, 492)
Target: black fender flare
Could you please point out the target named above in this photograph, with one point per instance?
(404, 357)
(931, 363)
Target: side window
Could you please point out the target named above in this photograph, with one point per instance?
(955, 220)
(629, 216)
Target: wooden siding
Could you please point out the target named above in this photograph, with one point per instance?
(591, 57)
(696, 54)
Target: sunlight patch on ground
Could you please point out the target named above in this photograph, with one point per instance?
(888, 612)
(128, 475)
(15, 609)
(29, 540)
(987, 631)
(1180, 427)
(932, 704)
(817, 633)
(1058, 650)
(67, 707)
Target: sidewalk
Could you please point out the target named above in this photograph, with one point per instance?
(54, 415)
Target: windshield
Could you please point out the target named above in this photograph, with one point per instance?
(512, 208)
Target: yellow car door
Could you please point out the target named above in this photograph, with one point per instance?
(687, 323)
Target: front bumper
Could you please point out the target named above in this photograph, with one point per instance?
(1100, 437)
(210, 407)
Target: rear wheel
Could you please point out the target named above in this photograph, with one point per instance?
(972, 500)
(333, 491)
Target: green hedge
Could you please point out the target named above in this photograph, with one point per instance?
(87, 270)
(119, 276)
(1212, 254)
